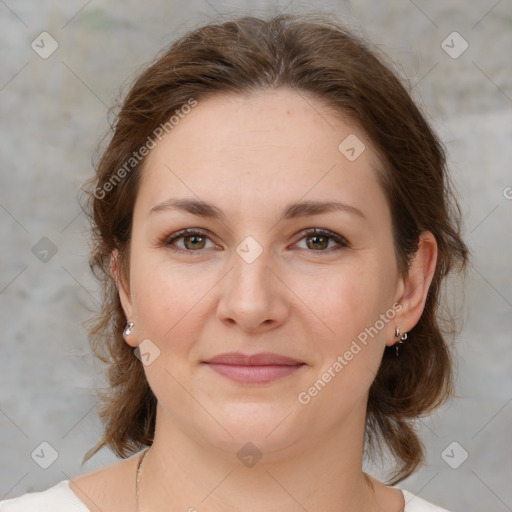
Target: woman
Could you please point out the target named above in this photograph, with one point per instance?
(272, 222)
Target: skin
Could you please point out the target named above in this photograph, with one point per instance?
(251, 156)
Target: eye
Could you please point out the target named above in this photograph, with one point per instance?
(193, 240)
(318, 240)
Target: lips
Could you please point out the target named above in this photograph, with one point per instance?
(253, 369)
(262, 359)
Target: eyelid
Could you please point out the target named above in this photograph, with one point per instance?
(339, 239)
(166, 241)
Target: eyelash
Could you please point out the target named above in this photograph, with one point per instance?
(342, 241)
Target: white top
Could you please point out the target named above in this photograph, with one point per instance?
(60, 498)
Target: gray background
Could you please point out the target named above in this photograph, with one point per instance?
(53, 114)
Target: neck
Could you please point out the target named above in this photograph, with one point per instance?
(181, 473)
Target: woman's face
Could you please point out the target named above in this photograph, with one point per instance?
(252, 278)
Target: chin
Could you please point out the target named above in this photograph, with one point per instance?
(270, 427)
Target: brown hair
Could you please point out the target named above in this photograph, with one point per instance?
(316, 56)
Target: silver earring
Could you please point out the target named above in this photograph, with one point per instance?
(401, 339)
(128, 329)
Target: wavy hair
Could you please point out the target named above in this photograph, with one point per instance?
(309, 54)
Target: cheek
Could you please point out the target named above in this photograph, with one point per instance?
(356, 305)
(350, 301)
(173, 303)
(166, 300)
(357, 311)
(169, 312)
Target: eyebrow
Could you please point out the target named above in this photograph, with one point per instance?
(293, 210)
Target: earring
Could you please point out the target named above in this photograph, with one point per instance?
(401, 339)
(128, 329)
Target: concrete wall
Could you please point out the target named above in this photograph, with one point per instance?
(53, 113)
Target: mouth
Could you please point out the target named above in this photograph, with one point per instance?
(253, 369)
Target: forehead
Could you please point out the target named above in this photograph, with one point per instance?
(261, 149)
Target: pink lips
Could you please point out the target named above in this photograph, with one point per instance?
(253, 369)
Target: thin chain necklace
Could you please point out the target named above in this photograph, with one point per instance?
(139, 467)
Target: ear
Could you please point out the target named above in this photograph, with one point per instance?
(124, 291)
(413, 288)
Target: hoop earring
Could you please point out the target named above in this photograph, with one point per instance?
(401, 339)
(128, 329)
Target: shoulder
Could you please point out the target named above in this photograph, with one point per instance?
(55, 499)
(108, 488)
(416, 504)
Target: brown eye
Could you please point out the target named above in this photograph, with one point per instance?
(189, 241)
(317, 242)
(194, 241)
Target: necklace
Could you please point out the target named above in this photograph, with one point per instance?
(139, 467)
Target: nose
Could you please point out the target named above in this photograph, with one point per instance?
(253, 296)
